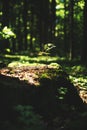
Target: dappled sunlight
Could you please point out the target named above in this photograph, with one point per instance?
(45, 84)
(43, 65)
(25, 60)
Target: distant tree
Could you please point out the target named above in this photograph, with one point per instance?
(19, 25)
(38, 22)
(25, 15)
(31, 21)
(5, 10)
(65, 28)
(5, 22)
(52, 19)
(71, 27)
(84, 51)
(43, 22)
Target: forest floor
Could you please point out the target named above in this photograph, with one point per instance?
(77, 74)
(76, 71)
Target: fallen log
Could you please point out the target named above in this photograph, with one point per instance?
(47, 88)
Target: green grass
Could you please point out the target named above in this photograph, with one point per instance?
(26, 59)
(77, 72)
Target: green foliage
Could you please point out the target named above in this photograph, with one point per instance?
(7, 50)
(7, 33)
(53, 19)
(79, 81)
(48, 47)
(55, 65)
(44, 75)
(21, 60)
(62, 92)
(77, 75)
(28, 119)
(81, 4)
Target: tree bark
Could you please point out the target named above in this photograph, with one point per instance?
(84, 49)
(52, 20)
(65, 29)
(71, 26)
(25, 23)
(5, 10)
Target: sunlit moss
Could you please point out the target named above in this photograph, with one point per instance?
(80, 81)
(14, 64)
(55, 65)
(44, 75)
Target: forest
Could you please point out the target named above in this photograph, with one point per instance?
(43, 65)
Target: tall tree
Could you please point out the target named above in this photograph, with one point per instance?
(52, 19)
(43, 22)
(5, 10)
(19, 25)
(31, 26)
(25, 15)
(5, 22)
(71, 27)
(65, 27)
(84, 51)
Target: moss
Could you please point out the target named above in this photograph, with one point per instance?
(44, 75)
(55, 66)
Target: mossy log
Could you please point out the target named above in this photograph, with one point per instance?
(47, 88)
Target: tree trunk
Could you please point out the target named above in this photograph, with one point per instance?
(52, 20)
(65, 29)
(5, 22)
(71, 26)
(31, 28)
(5, 10)
(19, 37)
(84, 49)
(43, 22)
(25, 23)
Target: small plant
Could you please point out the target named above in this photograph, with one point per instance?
(48, 47)
(44, 75)
(7, 33)
(55, 65)
(28, 119)
(62, 92)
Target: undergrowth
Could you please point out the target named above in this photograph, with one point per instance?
(77, 72)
